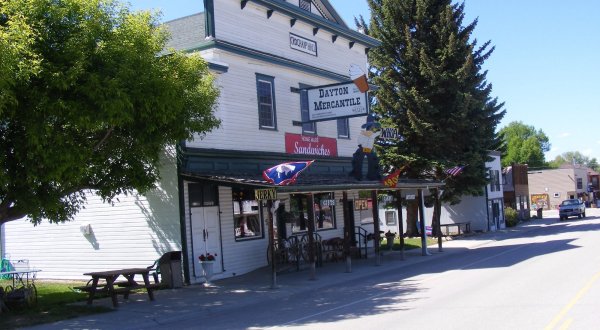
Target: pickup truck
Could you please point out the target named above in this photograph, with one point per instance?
(571, 208)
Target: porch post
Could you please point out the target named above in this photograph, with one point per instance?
(424, 251)
(400, 222)
(376, 235)
(272, 245)
(311, 237)
(347, 234)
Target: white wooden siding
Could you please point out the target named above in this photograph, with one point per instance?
(133, 232)
(238, 109)
(271, 35)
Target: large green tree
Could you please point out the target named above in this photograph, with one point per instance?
(524, 145)
(433, 90)
(575, 157)
(88, 104)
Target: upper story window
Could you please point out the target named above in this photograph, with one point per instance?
(343, 128)
(265, 89)
(494, 180)
(579, 183)
(307, 128)
(304, 4)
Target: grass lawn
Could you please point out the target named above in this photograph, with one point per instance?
(54, 304)
(409, 243)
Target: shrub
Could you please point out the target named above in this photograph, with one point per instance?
(510, 215)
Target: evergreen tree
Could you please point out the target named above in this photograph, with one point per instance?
(433, 90)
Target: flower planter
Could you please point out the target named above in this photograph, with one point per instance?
(207, 271)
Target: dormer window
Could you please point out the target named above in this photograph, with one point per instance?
(304, 4)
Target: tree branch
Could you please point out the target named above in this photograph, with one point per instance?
(108, 133)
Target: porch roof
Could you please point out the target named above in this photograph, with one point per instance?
(313, 183)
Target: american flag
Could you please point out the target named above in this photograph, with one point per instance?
(286, 173)
(454, 171)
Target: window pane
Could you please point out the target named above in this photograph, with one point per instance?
(323, 208)
(247, 218)
(390, 218)
(343, 128)
(307, 128)
(266, 112)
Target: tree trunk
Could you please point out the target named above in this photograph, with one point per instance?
(412, 212)
(435, 218)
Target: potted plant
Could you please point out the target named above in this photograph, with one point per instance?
(206, 262)
(389, 236)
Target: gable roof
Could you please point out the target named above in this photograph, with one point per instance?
(186, 32)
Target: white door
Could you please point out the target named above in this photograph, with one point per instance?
(206, 237)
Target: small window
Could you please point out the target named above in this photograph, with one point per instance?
(579, 183)
(390, 218)
(308, 128)
(265, 90)
(202, 195)
(556, 195)
(343, 128)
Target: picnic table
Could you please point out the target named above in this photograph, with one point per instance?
(113, 288)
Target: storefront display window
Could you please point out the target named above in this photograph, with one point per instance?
(247, 215)
(324, 208)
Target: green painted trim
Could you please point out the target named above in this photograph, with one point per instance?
(209, 19)
(266, 57)
(318, 22)
(218, 67)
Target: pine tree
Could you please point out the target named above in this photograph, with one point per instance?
(433, 90)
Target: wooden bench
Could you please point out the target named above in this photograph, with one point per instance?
(465, 225)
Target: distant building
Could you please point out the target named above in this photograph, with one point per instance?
(569, 181)
(516, 189)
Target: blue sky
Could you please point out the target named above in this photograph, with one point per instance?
(545, 68)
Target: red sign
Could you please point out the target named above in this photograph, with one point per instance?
(297, 144)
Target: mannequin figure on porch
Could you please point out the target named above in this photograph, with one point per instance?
(366, 142)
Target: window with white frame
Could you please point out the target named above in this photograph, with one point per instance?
(390, 218)
(265, 89)
(343, 128)
(494, 180)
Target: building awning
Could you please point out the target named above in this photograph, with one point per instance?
(312, 183)
(244, 169)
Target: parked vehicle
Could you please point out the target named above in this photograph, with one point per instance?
(571, 208)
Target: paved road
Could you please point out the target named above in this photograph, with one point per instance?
(544, 275)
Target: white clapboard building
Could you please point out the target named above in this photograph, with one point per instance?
(267, 56)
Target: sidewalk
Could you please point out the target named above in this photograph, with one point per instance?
(178, 304)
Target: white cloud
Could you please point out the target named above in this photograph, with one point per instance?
(564, 135)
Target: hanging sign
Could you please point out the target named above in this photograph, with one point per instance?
(265, 194)
(336, 101)
(361, 204)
